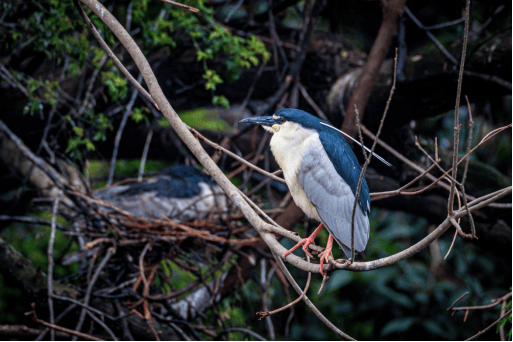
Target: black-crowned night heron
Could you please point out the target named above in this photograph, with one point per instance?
(322, 174)
(179, 192)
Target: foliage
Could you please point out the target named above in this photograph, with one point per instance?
(55, 30)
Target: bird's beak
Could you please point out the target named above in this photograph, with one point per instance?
(261, 120)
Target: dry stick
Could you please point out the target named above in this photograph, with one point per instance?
(103, 325)
(462, 186)
(457, 300)
(117, 140)
(268, 313)
(450, 204)
(264, 288)
(145, 154)
(368, 159)
(141, 264)
(88, 307)
(479, 307)
(50, 265)
(110, 252)
(445, 173)
(381, 195)
(431, 36)
(111, 54)
(311, 102)
(233, 155)
(59, 328)
(489, 327)
(90, 86)
(190, 8)
(61, 315)
(452, 244)
(316, 311)
(9, 77)
(501, 328)
(430, 176)
(31, 220)
(277, 45)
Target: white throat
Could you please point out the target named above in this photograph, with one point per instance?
(287, 144)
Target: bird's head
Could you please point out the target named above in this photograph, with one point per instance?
(282, 117)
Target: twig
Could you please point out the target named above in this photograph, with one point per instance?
(111, 54)
(6, 331)
(110, 252)
(234, 9)
(435, 162)
(501, 328)
(489, 327)
(469, 142)
(117, 140)
(88, 307)
(233, 155)
(446, 24)
(31, 220)
(431, 36)
(368, 159)
(103, 325)
(269, 313)
(457, 126)
(307, 301)
(479, 307)
(56, 327)
(61, 315)
(190, 8)
(51, 264)
(431, 177)
(145, 154)
(452, 244)
(311, 102)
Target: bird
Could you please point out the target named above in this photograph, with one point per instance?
(322, 174)
(179, 192)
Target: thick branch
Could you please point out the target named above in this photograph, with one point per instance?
(388, 30)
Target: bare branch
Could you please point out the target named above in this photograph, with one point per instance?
(457, 126)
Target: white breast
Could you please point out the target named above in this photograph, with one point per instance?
(287, 145)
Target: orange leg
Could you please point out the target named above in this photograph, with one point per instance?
(305, 242)
(327, 251)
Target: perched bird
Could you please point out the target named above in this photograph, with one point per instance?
(322, 174)
(178, 192)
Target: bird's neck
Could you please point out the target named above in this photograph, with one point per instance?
(288, 143)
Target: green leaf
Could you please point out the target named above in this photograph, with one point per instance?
(78, 131)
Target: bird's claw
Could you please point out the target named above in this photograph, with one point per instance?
(324, 255)
(305, 243)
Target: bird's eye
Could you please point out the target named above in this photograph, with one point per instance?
(279, 119)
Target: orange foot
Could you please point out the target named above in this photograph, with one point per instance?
(327, 251)
(306, 242)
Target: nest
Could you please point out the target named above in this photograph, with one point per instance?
(139, 260)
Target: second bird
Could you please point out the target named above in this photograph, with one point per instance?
(322, 174)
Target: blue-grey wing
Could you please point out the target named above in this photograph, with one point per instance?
(333, 199)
